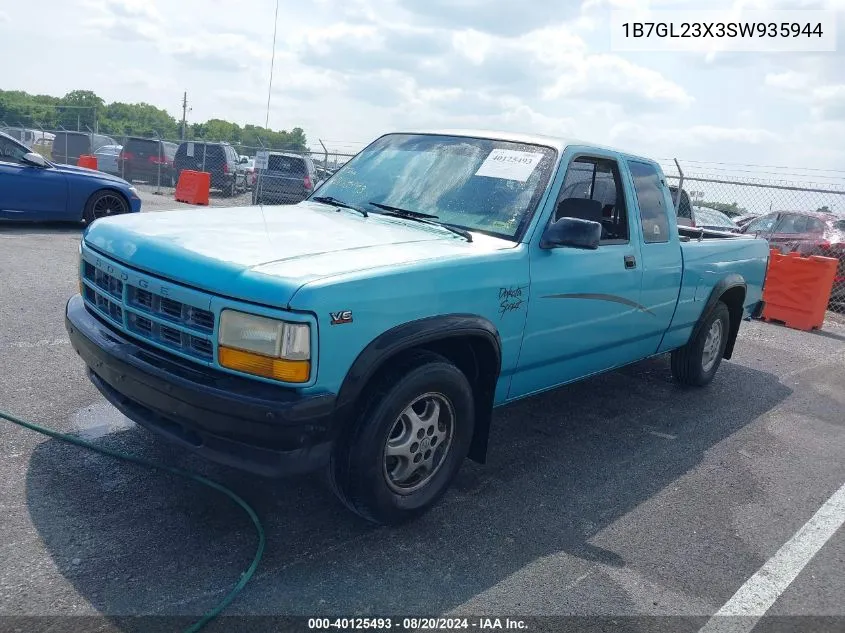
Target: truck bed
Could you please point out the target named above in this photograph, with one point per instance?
(688, 233)
(706, 261)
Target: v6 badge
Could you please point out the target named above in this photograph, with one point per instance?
(339, 318)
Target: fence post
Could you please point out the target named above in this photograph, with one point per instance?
(325, 156)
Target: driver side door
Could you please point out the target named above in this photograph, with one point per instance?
(29, 192)
(584, 312)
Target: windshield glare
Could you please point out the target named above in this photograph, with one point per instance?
(478, 184)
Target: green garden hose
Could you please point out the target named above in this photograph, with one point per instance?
(259, 551)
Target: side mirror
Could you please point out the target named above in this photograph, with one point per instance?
(572, 233)
(37, 160)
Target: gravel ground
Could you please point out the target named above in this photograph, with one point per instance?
(621, 496)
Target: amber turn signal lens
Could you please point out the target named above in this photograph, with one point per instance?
(259, 365)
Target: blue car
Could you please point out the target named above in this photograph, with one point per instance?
(32, 188)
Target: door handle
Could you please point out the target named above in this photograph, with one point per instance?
(630, 261)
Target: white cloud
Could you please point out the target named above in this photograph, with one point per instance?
(354, 69)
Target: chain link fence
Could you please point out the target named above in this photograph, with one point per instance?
(283, 174)
(806, 217)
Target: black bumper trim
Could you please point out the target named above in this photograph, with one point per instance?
(250, 425)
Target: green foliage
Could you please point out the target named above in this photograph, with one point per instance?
(81, 108)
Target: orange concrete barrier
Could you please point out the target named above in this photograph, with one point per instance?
(798, 289)
(193, 187)
(87, 160)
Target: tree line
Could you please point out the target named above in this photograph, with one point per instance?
(84, 109)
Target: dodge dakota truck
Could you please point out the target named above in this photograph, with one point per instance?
(369, 331)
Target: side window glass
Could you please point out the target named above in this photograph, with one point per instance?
(761, 225)
(651, 200)
(598, 179)
(11, 152)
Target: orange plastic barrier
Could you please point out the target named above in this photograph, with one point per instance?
(193, 187)
(798, 289)
(87, 160)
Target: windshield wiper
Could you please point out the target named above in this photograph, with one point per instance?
(338, 203)
(421, 217)
(411, 214)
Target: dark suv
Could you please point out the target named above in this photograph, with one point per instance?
(69, 146)
(218, 159)
(288, 179)
(147, 159)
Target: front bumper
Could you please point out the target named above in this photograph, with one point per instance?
(257, 427)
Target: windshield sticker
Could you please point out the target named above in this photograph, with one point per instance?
(509, 164)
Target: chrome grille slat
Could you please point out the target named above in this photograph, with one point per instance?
(170, 323)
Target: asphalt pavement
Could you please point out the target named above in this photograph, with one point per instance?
(622, 496)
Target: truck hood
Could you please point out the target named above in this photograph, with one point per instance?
(265, 255)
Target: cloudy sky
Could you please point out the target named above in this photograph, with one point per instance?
(349, 70)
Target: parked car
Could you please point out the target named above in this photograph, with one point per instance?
(246, 173)
(150, 160)
(107, 159)
(742, 220)
(69, 146)
(807, 233)
(707, 218)
(218, 159)
(370, 330)
(35, 189)
(288, 179)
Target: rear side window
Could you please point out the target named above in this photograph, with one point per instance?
(652, 202)
(286, 164)
(142, 147)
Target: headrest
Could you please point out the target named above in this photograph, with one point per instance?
(580, 208)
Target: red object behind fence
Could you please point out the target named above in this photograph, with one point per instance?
(87, 160)
(193, 187)
(798, 289)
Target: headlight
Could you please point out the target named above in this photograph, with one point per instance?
(265, 347)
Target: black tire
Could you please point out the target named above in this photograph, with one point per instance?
(691, 364)
(104, 203)
(358, 469)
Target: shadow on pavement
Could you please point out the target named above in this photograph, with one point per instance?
(11, 227)
(562, 467)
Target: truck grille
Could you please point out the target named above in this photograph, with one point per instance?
(171, 324)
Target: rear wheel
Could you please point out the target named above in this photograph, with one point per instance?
(408, 441)
(103, 204)
(696, 363)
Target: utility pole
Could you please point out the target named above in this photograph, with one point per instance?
(184, 112)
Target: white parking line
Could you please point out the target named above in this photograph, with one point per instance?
(760, 592)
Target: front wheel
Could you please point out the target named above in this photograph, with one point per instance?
(103, 204)
(696, 363)
(407, 443)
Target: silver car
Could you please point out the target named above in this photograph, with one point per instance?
(107, 159)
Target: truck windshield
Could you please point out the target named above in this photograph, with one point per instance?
(477, 184)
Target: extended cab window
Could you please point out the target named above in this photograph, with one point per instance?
(598, 179)
(651, 200)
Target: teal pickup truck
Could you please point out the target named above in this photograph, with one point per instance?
(370, 330)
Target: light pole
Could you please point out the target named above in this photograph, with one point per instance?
(272, 62)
